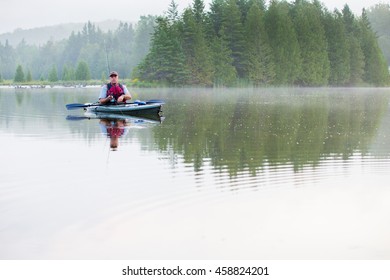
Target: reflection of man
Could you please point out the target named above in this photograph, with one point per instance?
(114, 129)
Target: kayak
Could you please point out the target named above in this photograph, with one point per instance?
(131, 109)
(151, 107)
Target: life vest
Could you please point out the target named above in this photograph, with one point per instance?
(114, 130)
(115, 90)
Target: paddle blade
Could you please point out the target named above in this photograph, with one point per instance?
(75, 106)
(76, 118)
(155, 101)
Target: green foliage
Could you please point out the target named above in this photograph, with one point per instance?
(196, 50)
(287, 44)
(53, 74)
(260, 63)
(19, 74)
(236, 41)
(82, 72)
(68, 73)
(379, 17)
(166, 61)
(284, 43)
(225, 74)
(338, 49)
(313, 42)
(28, 76)
(232, 31)
(376, 68)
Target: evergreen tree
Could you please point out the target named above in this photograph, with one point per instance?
(232, 30)
(68, 73)
(29, 76)
(19, 74)
(284, 43)
(357, 60)
(313, 43)
(8, 60)
(173, 14)
(142, 36)
(166, 61)
(379, 16)
(198, 55)
(216, 17)
(338, 49)
(53, 75)
(198, 10)
(225, 74)
(82, 72)
(1, 78)
(260, 64)
(245, 6)
(376, 69)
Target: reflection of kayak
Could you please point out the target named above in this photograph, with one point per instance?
(130, 109)
(147, 118)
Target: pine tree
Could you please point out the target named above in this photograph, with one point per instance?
(82, 72)
(53, 75)
(260, 64)
(338, 49)
(376, 69)
(312, 39)
(225, 74)
(68, 73)
(284, 43)
(357, 60)
(216, 17)
(19, 75)
(198, 10)
(197, 52)
(166, 61)
(29, 76)
(232, 31)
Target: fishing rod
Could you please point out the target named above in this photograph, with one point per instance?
(108, 62)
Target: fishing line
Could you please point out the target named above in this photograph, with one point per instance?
(108, 62)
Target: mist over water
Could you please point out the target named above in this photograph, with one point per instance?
(225, 174)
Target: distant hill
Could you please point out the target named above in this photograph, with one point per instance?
(40, 35)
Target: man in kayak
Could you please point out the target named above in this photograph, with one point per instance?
(114, 92)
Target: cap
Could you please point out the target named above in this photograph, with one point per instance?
(113, 73)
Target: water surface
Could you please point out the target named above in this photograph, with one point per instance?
(225, 174)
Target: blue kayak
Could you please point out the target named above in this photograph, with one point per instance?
(135, 108)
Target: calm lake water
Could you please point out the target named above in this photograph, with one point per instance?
(225, 174)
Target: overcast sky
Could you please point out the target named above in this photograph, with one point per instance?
(28, 14)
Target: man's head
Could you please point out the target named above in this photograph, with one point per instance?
(114, 77)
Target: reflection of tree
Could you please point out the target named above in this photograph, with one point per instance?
(247, 134)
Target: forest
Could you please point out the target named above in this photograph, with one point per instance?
(234, 42)
(83, 56)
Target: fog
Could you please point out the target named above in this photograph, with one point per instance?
(28, 14)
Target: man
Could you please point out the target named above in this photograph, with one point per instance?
(114, 92)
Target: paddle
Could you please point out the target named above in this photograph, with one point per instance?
(74, 106)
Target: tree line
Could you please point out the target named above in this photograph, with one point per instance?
(234, 42)
(243, 41)
(84, 55)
